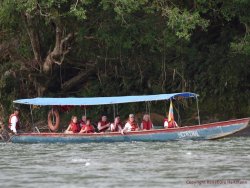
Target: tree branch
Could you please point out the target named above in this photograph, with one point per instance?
(71, 83)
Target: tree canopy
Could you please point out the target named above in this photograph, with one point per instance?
(124, 47)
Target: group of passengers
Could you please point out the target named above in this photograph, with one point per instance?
(85, 125)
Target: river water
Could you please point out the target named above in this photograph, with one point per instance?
(221, 163)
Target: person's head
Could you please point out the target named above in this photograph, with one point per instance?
(84, 118)
(146, 117)
(16, 111)
(117, 119)
(131, 117)
(88, 121)
(104, 118)
(74, 119)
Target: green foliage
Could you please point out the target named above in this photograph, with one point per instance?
(9, 89)
(183, 22)
(131, 47)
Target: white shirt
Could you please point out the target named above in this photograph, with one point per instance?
(113, 127)
(13, 122)
(127, 127)
(166, 124)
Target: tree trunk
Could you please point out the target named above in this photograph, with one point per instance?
(34, 38)
(61, 48)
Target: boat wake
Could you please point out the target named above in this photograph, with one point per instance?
(86, 162)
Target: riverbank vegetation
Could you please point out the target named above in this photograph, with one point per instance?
(61, 48)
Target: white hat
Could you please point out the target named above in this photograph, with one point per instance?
(131, 115)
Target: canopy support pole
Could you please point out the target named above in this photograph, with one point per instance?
(178, 106)
(198, 111)
(114, 111)
(32, 120)
(149, 106)
(85, 112)
(117, 112)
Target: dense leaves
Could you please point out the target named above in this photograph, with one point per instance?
(126, 47)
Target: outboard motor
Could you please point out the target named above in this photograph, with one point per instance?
(4, 136)
(5, 133)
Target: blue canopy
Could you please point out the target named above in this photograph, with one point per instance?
(102, 100)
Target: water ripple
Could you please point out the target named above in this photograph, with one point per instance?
(124, 164)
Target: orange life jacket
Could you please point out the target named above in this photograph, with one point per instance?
(17, 123)
(90, 128)
(134, 125)
(171, 124)
(74, 127)
(147, 125)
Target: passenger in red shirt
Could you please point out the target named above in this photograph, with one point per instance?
(73, 126)
(87, 128)
(103, 125)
